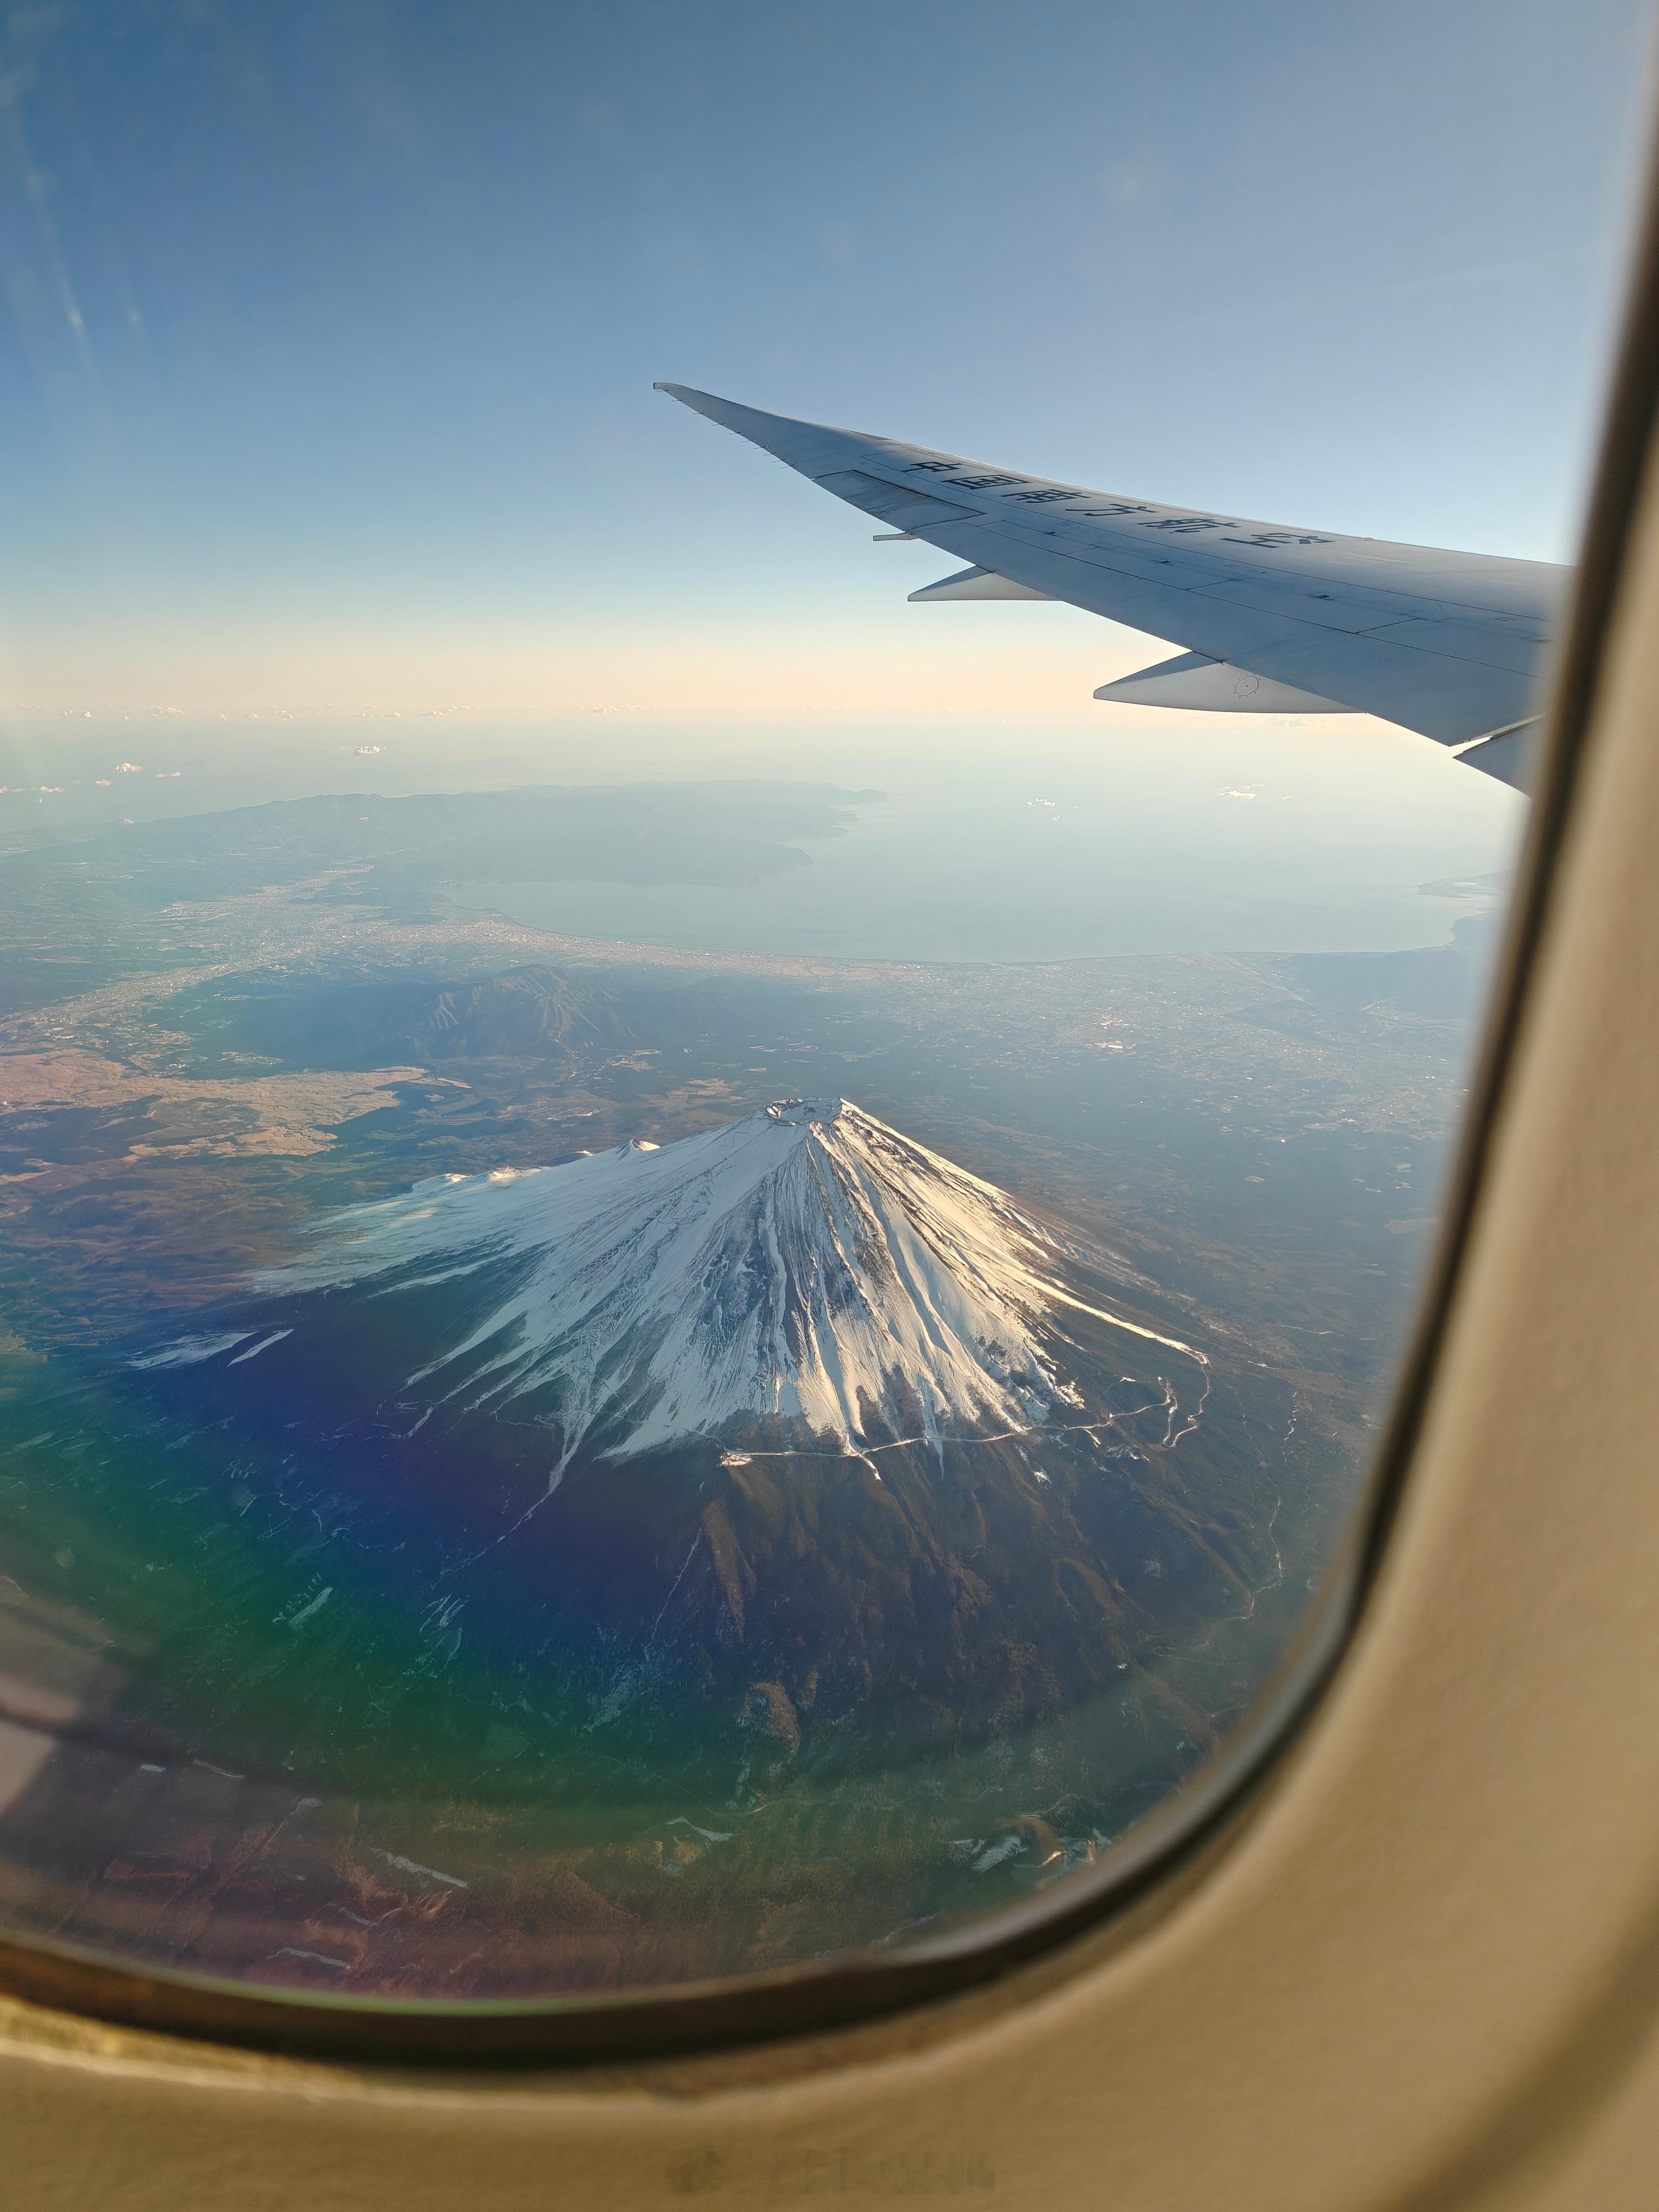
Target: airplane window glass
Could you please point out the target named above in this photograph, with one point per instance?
(699, 1267)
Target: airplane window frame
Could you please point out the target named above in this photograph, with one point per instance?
(1175, 1845)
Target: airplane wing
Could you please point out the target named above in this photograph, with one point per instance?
(1274, 619)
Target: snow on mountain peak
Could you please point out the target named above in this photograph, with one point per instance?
(806, 1261)
(795, 1110)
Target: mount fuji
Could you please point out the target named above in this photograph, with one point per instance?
(793, 1409)
(806, 1262)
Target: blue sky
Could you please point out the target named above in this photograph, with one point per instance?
(331, 327)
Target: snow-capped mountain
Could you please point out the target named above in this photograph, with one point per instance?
(793, 1408)
(806, 1261)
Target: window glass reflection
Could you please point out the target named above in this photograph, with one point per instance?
(697, 1271)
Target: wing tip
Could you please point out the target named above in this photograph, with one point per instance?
(726, 412)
